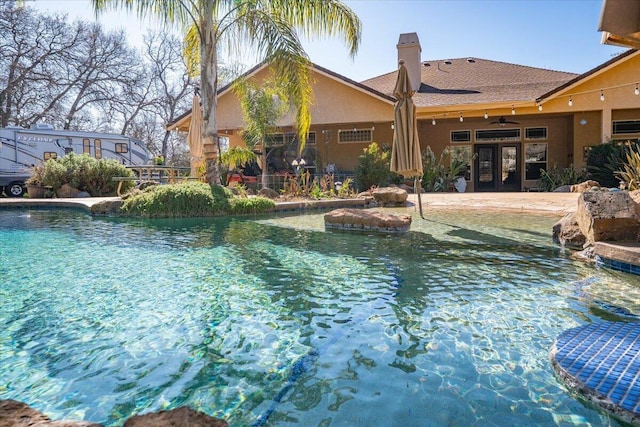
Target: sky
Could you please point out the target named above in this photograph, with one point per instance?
(559, 35)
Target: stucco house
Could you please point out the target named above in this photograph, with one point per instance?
(507, 121)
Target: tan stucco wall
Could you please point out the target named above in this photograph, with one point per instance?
(559, 137)
(345, 155)
(335, 102)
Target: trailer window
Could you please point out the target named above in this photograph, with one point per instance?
(98, 148)
(50, 155)
(122, 147)
(86, 146)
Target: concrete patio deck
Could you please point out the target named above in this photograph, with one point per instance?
(547, 203)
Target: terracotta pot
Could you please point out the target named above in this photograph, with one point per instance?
(36, 191)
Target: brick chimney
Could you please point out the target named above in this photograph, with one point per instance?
(409, 50)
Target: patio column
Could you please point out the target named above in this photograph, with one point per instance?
(605, 126)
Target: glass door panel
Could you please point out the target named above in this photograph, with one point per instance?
(485, 179)
(510, 174)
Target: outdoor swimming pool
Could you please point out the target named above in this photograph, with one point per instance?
(273, 321)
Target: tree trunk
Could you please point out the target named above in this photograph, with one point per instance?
(209, 86)
(263, 164)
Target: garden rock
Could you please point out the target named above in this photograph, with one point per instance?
(563, 189)
(106, 208)
(180, 417)
(268, 193)
(358, 219)
(67, 191)
(566, 232)
(390, 196)
(584, 186)
(14, 413)
(608, 215)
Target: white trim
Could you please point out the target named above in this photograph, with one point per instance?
(356, 130)
(505, 139)
(460, 142)
(546, 133)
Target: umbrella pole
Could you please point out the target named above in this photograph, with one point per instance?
(417, 188)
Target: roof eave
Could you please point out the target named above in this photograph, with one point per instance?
(176, 124)
(585, 76)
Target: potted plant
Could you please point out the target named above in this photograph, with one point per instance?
(35, 183)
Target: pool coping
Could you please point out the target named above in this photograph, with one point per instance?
(622, 256)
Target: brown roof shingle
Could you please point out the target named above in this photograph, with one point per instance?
(465, 81)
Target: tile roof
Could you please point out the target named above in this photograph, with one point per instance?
(466, 81)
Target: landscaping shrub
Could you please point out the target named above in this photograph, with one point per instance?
(603, 161)
(252, 205)
(440, 173)
(171, 201)
(557, 177)
(372, 169)
(84, 173)
(190, 199)
(630, 173)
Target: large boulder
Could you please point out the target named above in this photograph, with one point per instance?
(358, 219)
(106, 207)
(390, 196)
(67, 191)
(16, 414)
(180, 417)
(608, 215)
(566, 232)
(268, 193)
(584, 186)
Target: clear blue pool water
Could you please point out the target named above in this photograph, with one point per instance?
(273, 321)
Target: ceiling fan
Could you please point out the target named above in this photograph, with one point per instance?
(502, 121)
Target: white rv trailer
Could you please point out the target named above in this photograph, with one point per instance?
(21, 148)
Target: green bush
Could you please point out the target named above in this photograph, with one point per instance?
(630, 173)
(557, 177)
(603, 161)
(190, 199)
(440, 173)
(171, 201)
(373, 168)
(252, 205)
(84, 173)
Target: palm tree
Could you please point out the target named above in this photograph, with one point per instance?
(268, 27)
(262, 106)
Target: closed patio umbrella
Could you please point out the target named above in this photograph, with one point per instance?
(406, 158)
(195, 135)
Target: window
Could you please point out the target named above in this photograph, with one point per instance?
(86, 146)
(355, 135)
(461, 154)
(50, 155)
(460, 136)
(626, 126)
(98, 148)
(535, 133)
(122, 147)
(493, 135)
(535, 159)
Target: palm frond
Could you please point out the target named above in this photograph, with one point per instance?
(321, 17)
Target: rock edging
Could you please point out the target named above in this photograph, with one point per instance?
(14, 413)
(360, 219)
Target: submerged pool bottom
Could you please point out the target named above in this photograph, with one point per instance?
(273, 321)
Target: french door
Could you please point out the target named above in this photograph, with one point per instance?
(497, 167)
